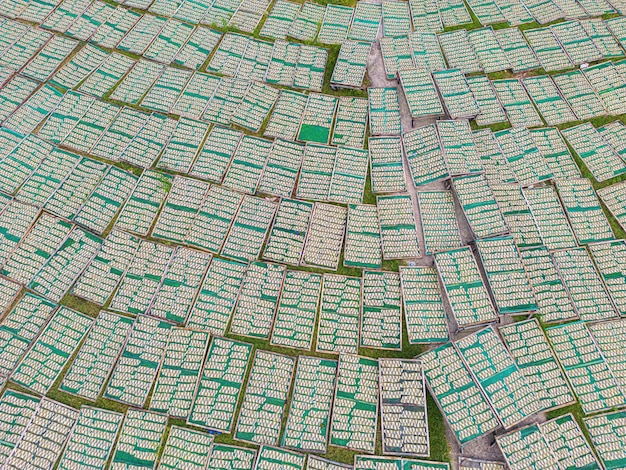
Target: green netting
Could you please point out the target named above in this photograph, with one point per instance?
(517, 215)
(281, 168)
(317, 119)
(100, 278)
(43, 363)
(64, 15)
(475, 464)
(34, 110)
(531, 352)
(138, 81)
(365, 462)
(523, 156)
(362, 248)
(80, 66)
(397, 55)
(495, 165)
(255, 107)
(544, 11)
(527, 448)
(216, 153)
(439, 224)
(318, 463)
(89, 129)
(256, 306)
(249, 229)
(220, 385)
(93, 17)
(579, 94)
(460, 400)
(420, 93)
(609, 336)
(487, 49)
(36, 247)
(617, 26)
(458, 148)
(398, 232)
(186, 449)
(180, 209)
(505, 386)
(137, 366)
(220, 12)
(145, 202)
(17, 409)
(142, 279)
(516, 102)
(396, 18)
(464, 287)
(335, 24)
(608, 438)
(92, 439)
(74, 191)
(113, 29)
(381, 317)
(60, 270)
(96, 358)
(198, 47)
(14, 93)
(453, 13)
(324, 239)
(602, 160)
(263, 406)
(227, 96)
(386, 169)
(351, 65)
(479, 206)
(514, 12)
(545, 95)
(179, 372)
(166, 89)
(614, 134)
(384, 111)
(550, 219)
(587, 371)
(306, 23)
(223, 457)
(297, 310)
(339, 314)
(609, 85)
(365, 22)
(216, 298)
(486, 11)
(148, 143)
(169, 41)
(459, 51)
(311, 68)
(516, 49)
(255, 60)
(103, 204)
(423, 306)
(72, 107)
(586, 289)
(348, 181)
(142, 34)
(8, 293)
(548, 50)
(584, 211)
(214, 219)
(456, 94)
(180, 285)
(286, 239)
(280, 19)
(139, 440)
(602, 38)
(20, 327)
(284, 121)
(614, 197)
(123, 129)
(556, 153)
(274, 457)
(307, 424)
(351, 122)
(423, 152)
(355, 409)
(425, 16)
(608, 258)
(44, 437)
(576, 43)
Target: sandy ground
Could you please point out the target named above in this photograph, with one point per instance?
(485, 447)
